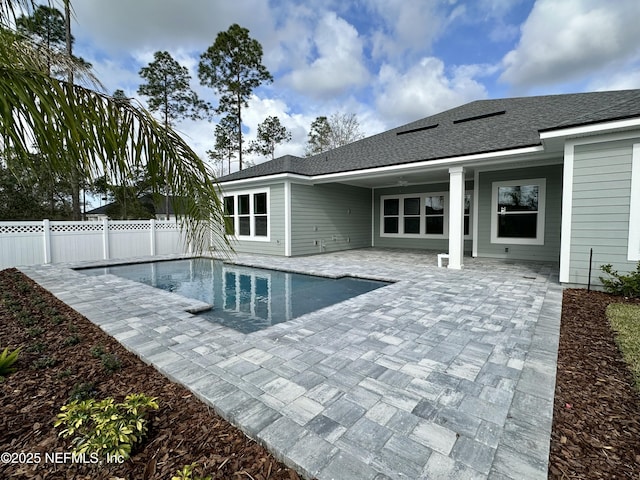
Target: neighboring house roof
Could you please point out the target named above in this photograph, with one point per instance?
(482, 126)
(159, 205)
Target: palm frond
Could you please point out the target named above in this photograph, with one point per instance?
(82, 132)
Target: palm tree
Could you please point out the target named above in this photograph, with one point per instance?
(98, 134)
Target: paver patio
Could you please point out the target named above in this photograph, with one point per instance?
(443, 374)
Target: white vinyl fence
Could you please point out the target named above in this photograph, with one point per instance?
(34, 243)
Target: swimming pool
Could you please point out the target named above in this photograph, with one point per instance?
(246, 299)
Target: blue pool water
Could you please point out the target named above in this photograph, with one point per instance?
(246, 299)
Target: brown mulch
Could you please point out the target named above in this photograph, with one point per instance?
(596, 411)
(56, 357)
(596, 425)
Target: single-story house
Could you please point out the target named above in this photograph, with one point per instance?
(156, 205)
(542, 178)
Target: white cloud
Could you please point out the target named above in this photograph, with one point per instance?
(125, 25)
(406, 27)
(339, 63)
(624, 80)
(426, 89)
(261, 108)
(564, 41)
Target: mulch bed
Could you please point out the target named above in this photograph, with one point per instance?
(596, 412)
(596, 425)
(56, 358)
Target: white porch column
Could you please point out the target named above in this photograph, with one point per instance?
(456, 217)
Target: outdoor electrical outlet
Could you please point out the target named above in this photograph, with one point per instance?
(506, 249)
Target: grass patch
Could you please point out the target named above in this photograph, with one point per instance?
(625, 321)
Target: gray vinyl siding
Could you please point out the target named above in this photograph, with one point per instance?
(550, 250)
(276, 243)
(600, 208)
(436, 244)
(329, 217)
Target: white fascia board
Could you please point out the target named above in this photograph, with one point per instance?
(267, 179)
(596, 128)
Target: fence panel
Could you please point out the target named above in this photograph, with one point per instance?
(21, 243)
(169, 239)
(76, 241)
(32, 243)
(130, 238)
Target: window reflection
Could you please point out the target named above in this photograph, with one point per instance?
(518, 198)
(434, 211)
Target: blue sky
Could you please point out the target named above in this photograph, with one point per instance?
(387, 61)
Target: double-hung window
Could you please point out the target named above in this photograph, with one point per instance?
(391, 215)
(434, 214)
(411, 212)
(518, 212)
(246, 215)
(414, 215)
(467, 214)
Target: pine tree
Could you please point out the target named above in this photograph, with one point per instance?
(232, 66)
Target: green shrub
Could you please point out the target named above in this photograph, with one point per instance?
(625, 285)
(6, 362)
(64, 374)
(25, 319)
(50, 311)
(72, 340)
(187, 474)
(98, 351)
(35, 331)
(44, 362)
(105, 427)
(23, 288)
(37, 347)
(111, 362)
(83, 391)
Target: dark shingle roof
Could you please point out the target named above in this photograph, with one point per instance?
(159, 205)
(477, 127)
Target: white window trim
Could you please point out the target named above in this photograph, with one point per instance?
(633, 251)
(236, 216)
(422, 196)
(542, 195)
